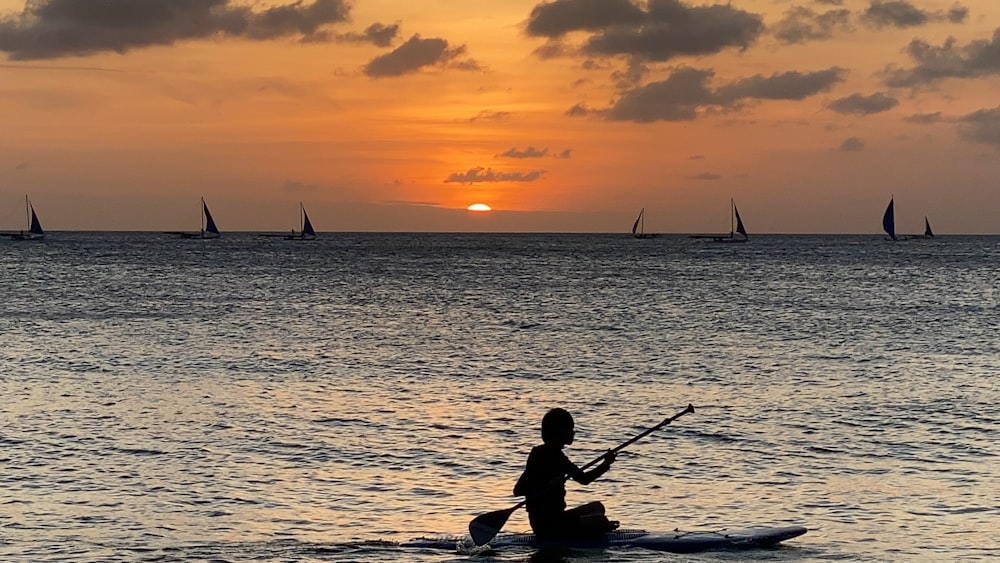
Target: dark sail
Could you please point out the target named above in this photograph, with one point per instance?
(36, 227)
(739, 223)
(307, 228)
(889, 221)
(209, 222)
(927, 229)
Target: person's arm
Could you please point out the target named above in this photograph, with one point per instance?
(588, 477)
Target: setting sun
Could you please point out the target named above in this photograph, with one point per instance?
(479, 207)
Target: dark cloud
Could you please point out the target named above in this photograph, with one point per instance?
(902, 14)
(415, 54)
(555, 19)
(60, 28)
(664, 30)
(530, 152)
(950, 60)
(674, 30)
(857, 104)
(565, 153)
(792, 85)
(378, 34)
(488, 175)
(982, 126)
(853, 144)
(831, 2)
(801, 24)
(957, 14)
(925, 118)
(679, 97)
(675, 99)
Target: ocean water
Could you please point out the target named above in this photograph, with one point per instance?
(255, 399)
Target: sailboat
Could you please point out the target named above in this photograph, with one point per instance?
(889, 220)
(307, 232)
(208, 228)
(638, 228)
(889, 224)
(34, 231)
(735, 227)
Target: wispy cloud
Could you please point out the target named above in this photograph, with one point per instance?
(488, 175)
(852, 144)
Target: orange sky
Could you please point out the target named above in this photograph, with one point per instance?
(569, 115)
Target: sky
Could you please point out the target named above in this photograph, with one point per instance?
(561, 115)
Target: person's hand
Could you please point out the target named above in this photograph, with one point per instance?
(610, 457)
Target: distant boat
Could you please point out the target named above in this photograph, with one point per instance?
(208, 228)
(735, 228)
(928, 233)
(889, 224)
(307, 232)
(34, 231)
(638, 228)
(889, 220)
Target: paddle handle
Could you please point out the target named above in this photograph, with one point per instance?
(643, 434)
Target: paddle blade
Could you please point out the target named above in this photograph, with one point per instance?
(485, 527)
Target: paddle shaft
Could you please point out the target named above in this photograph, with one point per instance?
(643, 434)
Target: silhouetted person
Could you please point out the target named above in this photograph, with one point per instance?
(543, 484)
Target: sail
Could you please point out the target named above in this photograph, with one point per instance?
(209, 222)
(638, 219)
(927, 229)
(36, 226)
(739, 223)
(889, 221)
(307, 228)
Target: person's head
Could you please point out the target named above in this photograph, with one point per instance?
(557, 428)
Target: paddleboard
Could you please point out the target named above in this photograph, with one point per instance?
(677, 541)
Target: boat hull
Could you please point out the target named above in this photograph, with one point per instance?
(676, 541)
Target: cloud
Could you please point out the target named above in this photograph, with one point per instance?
(903, 14)
(555, 19)
(977, 59)
(490, 115)
(801, 24)
(792, 85)
(378, 34)
(530, 152)
(853, 144)
(675, 99)
(415, 54)
(680, 96)
(488, 175)
(61, 28)
(857, 104)
(665, 30)
(981, 126)
(925, 118)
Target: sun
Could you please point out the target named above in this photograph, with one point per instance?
(479, 207)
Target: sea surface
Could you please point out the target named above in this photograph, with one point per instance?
(256, 399)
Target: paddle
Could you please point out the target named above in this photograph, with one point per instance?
(485, 527)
